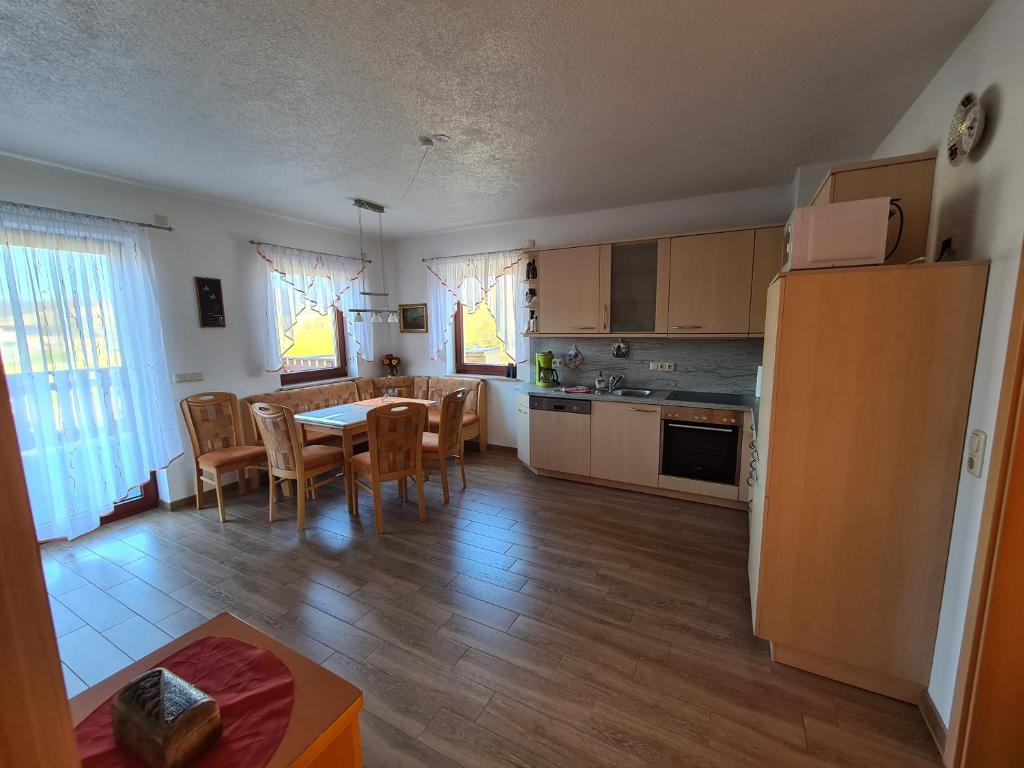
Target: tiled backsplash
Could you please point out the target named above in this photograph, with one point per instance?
(702, 365)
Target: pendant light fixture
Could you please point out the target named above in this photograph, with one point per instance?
(427, 142)
(376, 315)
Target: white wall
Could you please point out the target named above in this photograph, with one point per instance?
(981, 205)
(209, 240)
(808, 178)
(407, 275)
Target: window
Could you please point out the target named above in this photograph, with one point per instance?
(84, 361)
(477, 346)
(316, 347)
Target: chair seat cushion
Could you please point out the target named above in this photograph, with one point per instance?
(431, 442)
(360, 463)
(434, 419)
(237, 455)
(314, 456)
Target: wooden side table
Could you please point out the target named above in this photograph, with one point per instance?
(324, 726)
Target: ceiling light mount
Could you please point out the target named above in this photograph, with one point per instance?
(434, 139)
(368, 205)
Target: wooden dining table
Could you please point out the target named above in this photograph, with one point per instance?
(349, 422)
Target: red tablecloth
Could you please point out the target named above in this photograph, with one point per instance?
(253, 688)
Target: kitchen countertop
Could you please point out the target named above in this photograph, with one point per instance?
(657, 397)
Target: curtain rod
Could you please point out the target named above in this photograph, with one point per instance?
(93, 215)
(318, 253)
(482, 253)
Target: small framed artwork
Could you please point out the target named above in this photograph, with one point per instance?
(211, 302)
(412, 318)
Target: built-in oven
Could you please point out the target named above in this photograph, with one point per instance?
(701, 444)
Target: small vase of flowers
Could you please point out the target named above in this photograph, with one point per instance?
(391, 362)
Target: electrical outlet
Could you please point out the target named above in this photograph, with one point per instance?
(976, 451)
(556, 362)
(663, 366)
(182, 378)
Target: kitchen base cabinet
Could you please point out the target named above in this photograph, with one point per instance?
(560, 441)
(867, 383)
(523, 428)
(625, 442)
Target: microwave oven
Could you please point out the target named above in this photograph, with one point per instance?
(838, 234)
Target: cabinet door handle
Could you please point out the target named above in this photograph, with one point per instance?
(605, 321)
(584, 328)
(643, 410)
(686, 327)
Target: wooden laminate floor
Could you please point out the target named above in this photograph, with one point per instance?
(531, 622)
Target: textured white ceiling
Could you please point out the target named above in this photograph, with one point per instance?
(554, 107)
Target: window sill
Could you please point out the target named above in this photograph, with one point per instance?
(486, 377)
(303, 384)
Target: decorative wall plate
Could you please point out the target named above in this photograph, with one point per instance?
(573, 358)
(965, 129)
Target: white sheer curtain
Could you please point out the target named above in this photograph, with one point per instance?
(84, 357)
(297, 279)
(493, 277)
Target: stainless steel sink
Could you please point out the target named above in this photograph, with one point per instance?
(630, 392)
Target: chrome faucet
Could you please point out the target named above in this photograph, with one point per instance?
(613, 382)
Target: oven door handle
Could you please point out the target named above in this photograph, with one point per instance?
(697, 426)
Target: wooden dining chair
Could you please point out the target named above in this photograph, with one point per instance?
(447, 442)
(215, 431)
(288, 459)
(395, 433)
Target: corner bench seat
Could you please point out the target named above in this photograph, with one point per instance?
(316, 396)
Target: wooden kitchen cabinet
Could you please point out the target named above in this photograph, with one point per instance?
(638, 278)
(573, 290)
(709, 283)
(625, 442)
(909, 178)
(867, 382)
(560, 442)
(769, 250)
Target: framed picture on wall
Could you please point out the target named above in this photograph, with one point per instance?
(211, 302)
(412, 318)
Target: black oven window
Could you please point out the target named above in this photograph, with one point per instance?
(705, 452)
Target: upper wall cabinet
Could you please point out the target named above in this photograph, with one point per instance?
(709, 286)
(573, 290)
(769, 250)
(909, 178)
(639, 287)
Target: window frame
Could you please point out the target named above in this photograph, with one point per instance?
(461, 366)
(148, 499)
(319, 374)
